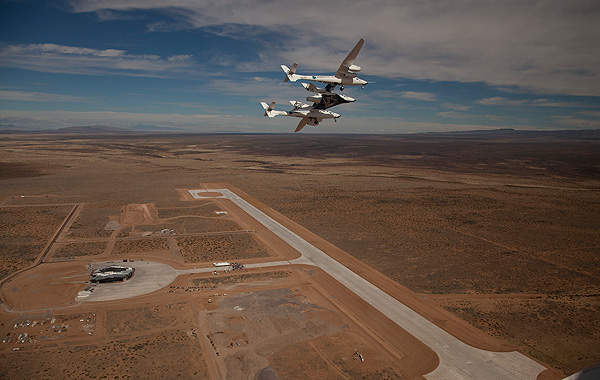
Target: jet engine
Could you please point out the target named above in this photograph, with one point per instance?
(354, 68)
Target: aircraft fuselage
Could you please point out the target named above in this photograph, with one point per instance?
(332, 79)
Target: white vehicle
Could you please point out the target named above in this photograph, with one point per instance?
(308, 113)
(221, 264)
(345, 75)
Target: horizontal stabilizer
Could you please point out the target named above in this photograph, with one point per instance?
(290, 74)
(310, 87)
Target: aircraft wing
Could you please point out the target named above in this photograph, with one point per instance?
(301, 124)
(342, 71)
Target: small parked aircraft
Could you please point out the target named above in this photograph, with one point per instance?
(345, 75)
(308, 113)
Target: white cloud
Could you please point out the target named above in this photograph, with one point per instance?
(62, 49)
(261, 89)
(29, 96)
(109, 15)
(545, 46)
(456, 107)
(80, 60)
(500, 101)
(424, 96)
(180, 58)
(552, 103)
(540, 102)
(452, 114)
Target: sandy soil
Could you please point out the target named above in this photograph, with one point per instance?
(132, 246)
(161, 355)
(24, 232)
(209, 248)
(445, 217)
(132, 214)
(92, 220)
(525, 315)
(192, 225)
(46, 286)
(79, 249)
(206, 208)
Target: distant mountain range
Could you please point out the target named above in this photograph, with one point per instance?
(509, 132)
(93, 129)
(587, 134)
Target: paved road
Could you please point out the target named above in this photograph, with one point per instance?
(457, 359)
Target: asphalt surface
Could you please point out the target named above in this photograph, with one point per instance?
(457, 359)
(148, 277)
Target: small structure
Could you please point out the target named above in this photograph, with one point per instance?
(112, 273)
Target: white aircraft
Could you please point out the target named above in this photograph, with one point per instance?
(309, 115)
(345, 75)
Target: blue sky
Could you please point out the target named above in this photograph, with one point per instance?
(204, 66)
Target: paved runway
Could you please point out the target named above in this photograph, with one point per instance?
(457, 359)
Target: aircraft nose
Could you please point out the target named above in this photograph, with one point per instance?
(335, 115)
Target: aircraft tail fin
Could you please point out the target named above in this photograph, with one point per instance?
(269, 111)
(268, 108)
(290, 74)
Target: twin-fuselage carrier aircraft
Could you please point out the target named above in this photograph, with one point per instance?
(322, 98)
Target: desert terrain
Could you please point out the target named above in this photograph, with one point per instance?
(493, 237)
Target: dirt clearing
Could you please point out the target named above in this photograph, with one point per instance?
(24, 231)
(197, 249)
